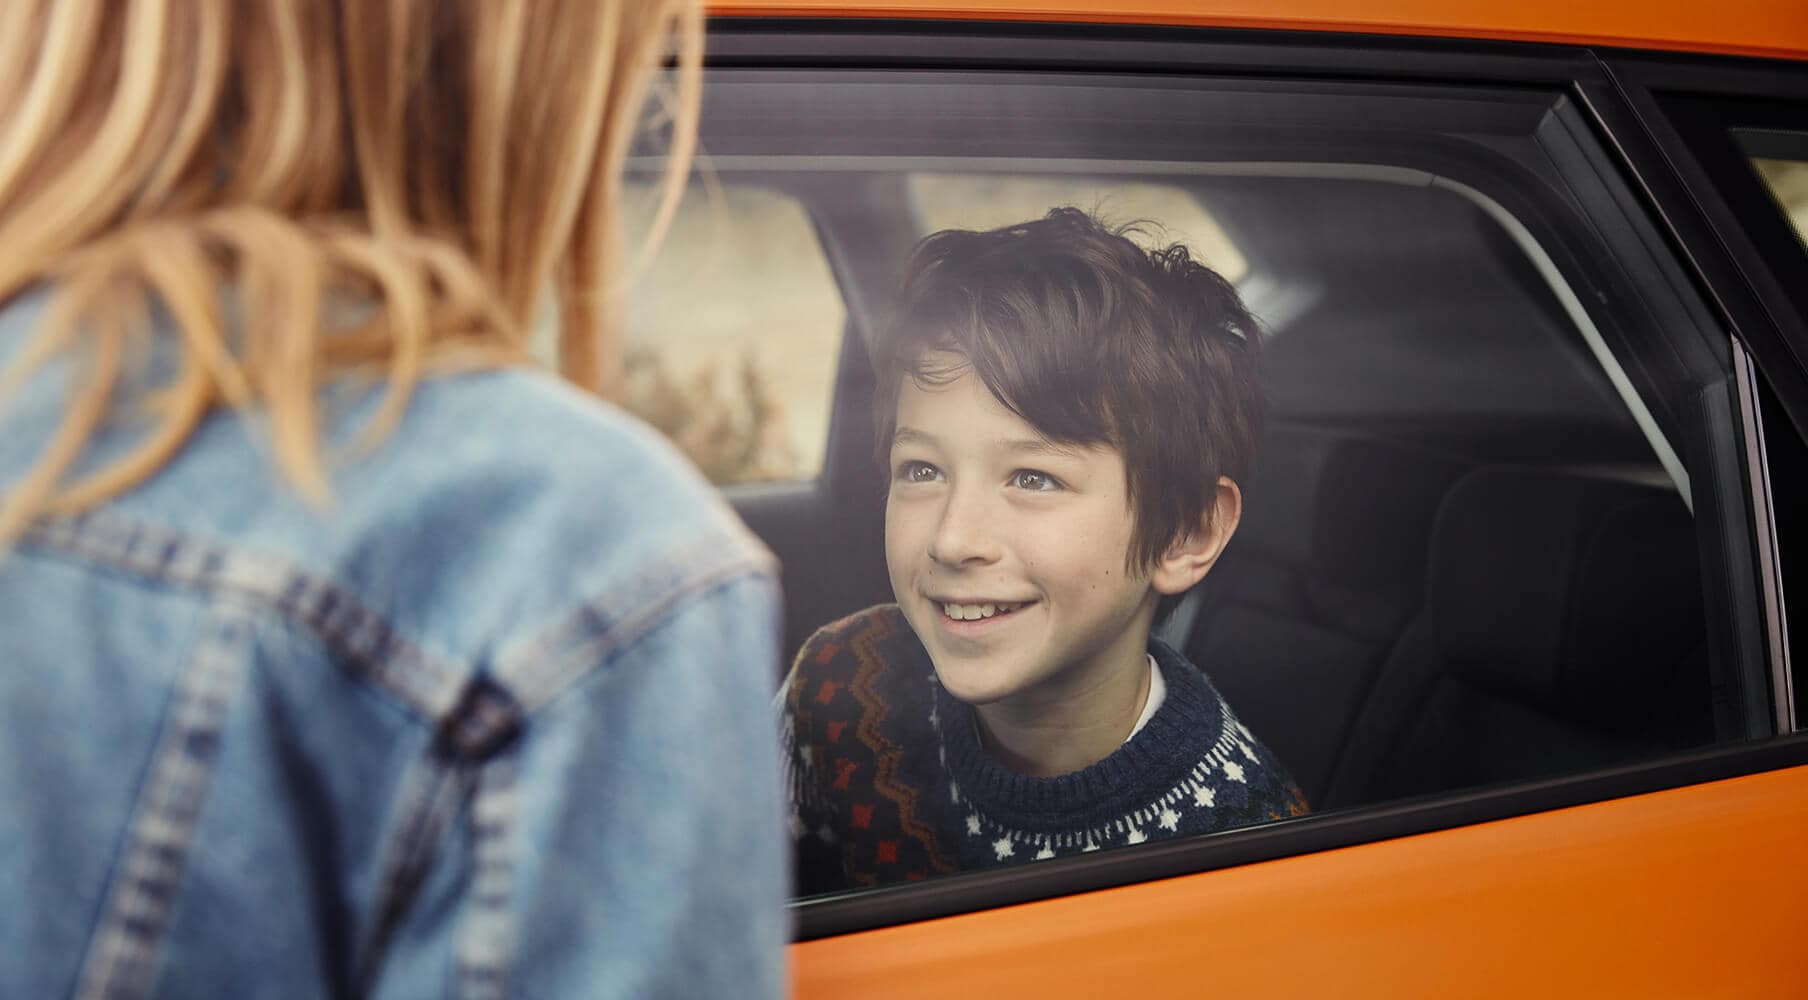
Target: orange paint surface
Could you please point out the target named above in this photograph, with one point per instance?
(1695, 892)
(1776, 28)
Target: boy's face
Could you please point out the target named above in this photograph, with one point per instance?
(1007, 553)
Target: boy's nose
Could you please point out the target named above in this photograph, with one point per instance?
(963, 534)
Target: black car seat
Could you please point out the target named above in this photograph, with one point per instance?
(1562, 630)
(1316, 586)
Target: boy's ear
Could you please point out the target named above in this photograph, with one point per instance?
(1191, 556)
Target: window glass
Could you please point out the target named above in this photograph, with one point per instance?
(733, 332)
(1470, 552)
(986, 201)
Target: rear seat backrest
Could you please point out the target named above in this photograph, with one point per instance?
(1563, 630)
(1315, 587)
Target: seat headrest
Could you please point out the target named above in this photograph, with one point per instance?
(1576, 594)
(1353, 511)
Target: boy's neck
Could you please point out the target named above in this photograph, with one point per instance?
(1058, 736)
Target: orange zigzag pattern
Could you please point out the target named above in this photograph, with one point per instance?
(885, 752)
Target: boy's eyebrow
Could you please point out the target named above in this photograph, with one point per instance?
(910, 435)
(1040, 446)
(1033, 446)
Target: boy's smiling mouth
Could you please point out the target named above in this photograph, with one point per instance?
(978, 610)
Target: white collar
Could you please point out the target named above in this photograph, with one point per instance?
(1158, 693)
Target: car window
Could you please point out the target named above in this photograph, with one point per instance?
(1492, 536)
(733, 330)
(1168, 213)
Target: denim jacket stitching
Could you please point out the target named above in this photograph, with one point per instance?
(600, 628)
(123, 957)
(378, 653)
(431, 797)
(485, 944)
(482, 727)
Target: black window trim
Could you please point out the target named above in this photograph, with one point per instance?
(870, 44)
(1684, 112)
(1674, 128)
(1764, 512)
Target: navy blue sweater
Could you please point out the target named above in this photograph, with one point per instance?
(889, 782)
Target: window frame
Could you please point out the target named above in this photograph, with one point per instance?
(1690, 108)
(1601, 109)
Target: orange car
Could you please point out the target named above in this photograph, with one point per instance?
(1514, 593)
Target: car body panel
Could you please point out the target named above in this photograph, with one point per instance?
(1628, 897)
(1772, 28)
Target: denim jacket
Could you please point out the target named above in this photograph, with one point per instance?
(490, 725)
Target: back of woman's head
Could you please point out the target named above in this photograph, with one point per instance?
(306, 186)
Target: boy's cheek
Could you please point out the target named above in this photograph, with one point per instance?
(903, 524)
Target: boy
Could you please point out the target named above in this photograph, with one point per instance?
(1065, 417)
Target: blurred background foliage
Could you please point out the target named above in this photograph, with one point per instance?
(735, 433)
(734, 332)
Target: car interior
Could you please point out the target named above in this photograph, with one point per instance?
(1454, 543)
(1468, 554)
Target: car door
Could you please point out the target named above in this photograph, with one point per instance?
(1487, 272)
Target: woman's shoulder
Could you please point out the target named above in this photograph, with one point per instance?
(532, 497)
(502, 507)
(529, 424)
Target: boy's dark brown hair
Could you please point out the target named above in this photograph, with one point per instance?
(1091, 340)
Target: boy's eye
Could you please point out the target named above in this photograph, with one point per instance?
(1036, 482)
(917, 472)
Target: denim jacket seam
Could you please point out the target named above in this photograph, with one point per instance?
(239, 584)
(600, 629)
(429, 799)
(125, 952)
(485, 942)
(535, 672)
(426, 684)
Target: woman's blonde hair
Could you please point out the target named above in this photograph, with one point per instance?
(309, 186)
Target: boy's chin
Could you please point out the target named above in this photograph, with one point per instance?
(961, 683)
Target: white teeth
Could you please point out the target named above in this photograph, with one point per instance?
(974, 612)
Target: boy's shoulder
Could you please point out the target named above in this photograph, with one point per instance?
(865, 643)
(866, 786)
(860, 692)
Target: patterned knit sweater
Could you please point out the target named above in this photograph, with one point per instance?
(889, 782)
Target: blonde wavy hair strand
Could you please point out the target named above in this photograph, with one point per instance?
(307, 188)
